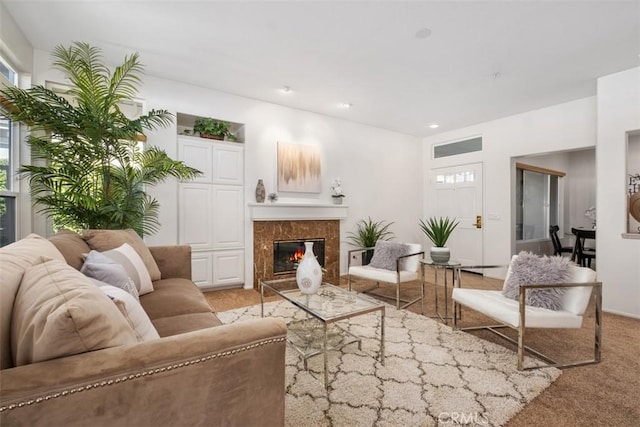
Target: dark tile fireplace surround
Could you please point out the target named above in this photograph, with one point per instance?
(265, 233)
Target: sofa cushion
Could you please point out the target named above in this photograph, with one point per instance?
(59, 312)
(173, 297)
(182, 323)
(133, 264)
(131, 310)
(105, 269)
(14, 260)
(72, 246)
(103, 240)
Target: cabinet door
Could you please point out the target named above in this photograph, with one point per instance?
(228, 268)
(228, 164)
(195, 222)
(202, 268)
(228, 214)
(199, 155)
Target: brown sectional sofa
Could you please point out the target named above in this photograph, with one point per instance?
(198, 373)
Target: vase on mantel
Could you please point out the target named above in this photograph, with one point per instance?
(309, 272)
(260, 192)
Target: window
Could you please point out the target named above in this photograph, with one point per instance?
(537, 201)
(8, 195)
(458, 147)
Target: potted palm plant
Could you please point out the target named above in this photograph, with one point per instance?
(213, 129)
(367, 234)
(91, 170)
(438, 231)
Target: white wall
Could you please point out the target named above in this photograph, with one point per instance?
(618, 257)
(633, 168)
(380, 169)
(562, 127)
(581, 188)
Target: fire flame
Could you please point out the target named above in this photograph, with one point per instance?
(297, 255)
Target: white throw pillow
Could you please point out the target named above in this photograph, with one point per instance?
(132, 311)
(126, 256)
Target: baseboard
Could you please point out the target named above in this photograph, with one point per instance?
(622, 313)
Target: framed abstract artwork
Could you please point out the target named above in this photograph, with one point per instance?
(299, 168)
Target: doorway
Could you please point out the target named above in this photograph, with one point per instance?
(457, 192)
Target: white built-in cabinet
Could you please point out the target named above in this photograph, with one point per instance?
(211, 211)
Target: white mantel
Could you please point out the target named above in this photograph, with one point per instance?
(296, 211)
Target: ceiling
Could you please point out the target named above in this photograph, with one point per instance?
(480, 60)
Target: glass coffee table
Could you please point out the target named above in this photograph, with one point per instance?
(318, 333)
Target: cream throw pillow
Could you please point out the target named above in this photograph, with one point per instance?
(127, 257)
(103, 240)
(59, 312)
(132, 311)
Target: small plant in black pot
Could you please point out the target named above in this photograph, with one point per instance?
(213, 129)
(367, 233)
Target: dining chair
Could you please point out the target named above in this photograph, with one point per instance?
(582, 255)
(558, 249)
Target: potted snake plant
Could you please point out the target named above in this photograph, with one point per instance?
(438, 230)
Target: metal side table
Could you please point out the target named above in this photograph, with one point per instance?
(455, 267)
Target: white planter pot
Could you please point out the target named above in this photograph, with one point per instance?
(440, 255)
(309, 272)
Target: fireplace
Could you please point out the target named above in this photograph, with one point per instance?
(288, 253)
(267, 233)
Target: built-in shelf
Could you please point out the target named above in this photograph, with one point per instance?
(296, 211)
(185, 122)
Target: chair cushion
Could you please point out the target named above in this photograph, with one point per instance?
(386, 254)
(505, 310)
(381, 274)
(575, 300)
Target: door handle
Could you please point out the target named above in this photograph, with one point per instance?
(478, 223)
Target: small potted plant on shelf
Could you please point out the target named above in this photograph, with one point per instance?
(338, 195)
(438, 231)
(367, 234)
(213, 129)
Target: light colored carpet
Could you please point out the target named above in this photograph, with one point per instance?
(432, 375)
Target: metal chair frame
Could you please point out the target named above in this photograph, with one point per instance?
(397, 283)
(520, 343)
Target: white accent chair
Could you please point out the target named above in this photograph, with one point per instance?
(406, 271)
(518, 316)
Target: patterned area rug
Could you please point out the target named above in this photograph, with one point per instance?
(432, 376)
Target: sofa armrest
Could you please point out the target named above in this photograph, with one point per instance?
(173, 261)
(230, 375)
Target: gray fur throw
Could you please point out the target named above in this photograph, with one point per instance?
(529, 269)
(386, 254)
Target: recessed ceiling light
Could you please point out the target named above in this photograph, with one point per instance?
(433, 125)
(346, 105)
(285, 89)
(423, 33)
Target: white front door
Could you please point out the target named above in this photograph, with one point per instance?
(457, 192)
